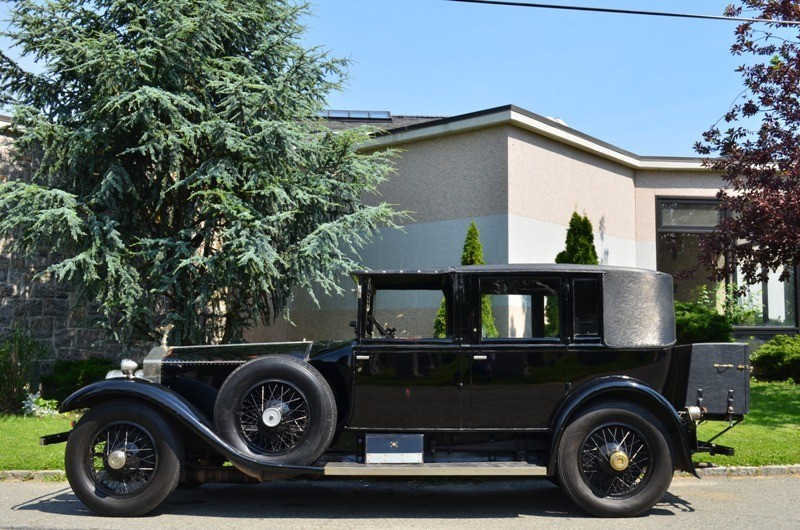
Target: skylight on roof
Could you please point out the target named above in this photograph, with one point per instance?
(382, 115)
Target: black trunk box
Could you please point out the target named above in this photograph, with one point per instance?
(719, 380)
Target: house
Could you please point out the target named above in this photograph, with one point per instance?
(520, 176)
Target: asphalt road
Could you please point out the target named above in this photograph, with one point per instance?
(747, 502)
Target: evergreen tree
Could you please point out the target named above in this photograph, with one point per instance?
(579, 242)
(579, 249)
(472, 254)
(176, 170)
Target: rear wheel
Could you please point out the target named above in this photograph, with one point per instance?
(122, 459)
(614, 460)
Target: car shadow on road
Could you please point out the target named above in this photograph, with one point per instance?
(363, 499)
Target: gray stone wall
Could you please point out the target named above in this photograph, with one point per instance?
(48, 311)
(37, 303)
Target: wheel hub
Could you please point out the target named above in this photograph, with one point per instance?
(272, 416)
(614, 458)
(618, 461)
(117, 459)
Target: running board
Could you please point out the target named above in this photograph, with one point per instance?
(454, 469)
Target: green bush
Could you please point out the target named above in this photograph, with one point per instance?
(19, 358)
(778, 359)
(68, 376)
(696, 322)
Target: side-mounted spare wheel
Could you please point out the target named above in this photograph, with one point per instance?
(123, 459)
(614, 460)
(278, 410)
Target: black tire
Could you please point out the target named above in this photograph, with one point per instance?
(620, 434)
(277, 410)
(147, 453)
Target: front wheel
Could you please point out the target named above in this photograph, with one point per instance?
(122, 459)
(614, 460)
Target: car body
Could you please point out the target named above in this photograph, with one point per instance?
(581, 383)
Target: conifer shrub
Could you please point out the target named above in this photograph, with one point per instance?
(695, 322)
(19, 362)
(67, 376)
(778, 359)
(472, 254)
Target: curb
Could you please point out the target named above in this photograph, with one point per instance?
(742, 471)
(51, 475)
(56, 475)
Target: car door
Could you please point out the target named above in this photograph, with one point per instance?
(404, 378)
(516, 378)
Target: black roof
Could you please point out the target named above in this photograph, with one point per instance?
(503, 268)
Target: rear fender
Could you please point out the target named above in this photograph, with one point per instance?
(173, 405)
(624, 389)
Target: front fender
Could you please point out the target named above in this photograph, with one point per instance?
(174, 406)
(626, 389)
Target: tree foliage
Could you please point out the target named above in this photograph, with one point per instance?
(472, 254)
(579, 244)
(696, 322)
(579, 249)
(778, 359)
(759, 161)
(176, 169)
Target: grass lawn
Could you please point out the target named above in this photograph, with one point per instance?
(19, 442)
(770, 434)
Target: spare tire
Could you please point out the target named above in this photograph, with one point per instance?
(278, 410)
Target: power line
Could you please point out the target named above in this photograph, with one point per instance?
(627, 11)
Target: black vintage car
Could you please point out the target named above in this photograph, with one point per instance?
(575, 378)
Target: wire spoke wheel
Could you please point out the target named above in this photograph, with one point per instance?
(276, 409)
(123, 458)
(615, 461)
(274, 417)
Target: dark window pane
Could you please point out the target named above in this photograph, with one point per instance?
(677, 254)
(587, 307)
(689, 214)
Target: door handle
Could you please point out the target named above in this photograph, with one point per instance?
(362, 357)
(479, 357)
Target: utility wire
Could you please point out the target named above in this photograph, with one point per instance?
(627, 11)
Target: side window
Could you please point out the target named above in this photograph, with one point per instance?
(405, 314)
(586, 310)
(523, 308)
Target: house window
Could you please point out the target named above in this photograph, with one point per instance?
(681, 224)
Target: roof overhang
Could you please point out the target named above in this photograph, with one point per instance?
(518, 117)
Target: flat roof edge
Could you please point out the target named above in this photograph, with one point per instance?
(519, 117)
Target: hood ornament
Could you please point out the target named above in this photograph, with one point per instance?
(164, 330)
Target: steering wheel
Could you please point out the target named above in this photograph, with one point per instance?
(387, 332)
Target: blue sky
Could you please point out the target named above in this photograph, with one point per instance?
(650, 85)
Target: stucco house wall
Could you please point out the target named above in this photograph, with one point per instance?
(519, 176)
